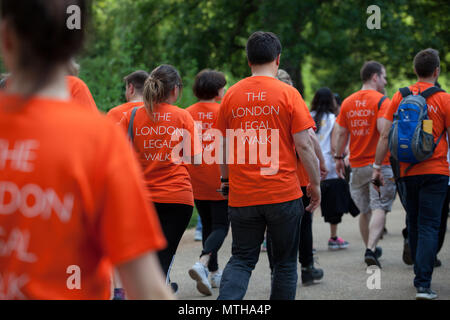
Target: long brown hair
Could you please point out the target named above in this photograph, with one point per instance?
(159, 85)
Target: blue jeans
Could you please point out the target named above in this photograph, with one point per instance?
(248, 225)
(424, 197)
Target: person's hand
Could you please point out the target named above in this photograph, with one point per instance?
(224, 189)
(340, 168)
(377, 179)
(313, 192)
(323, 171)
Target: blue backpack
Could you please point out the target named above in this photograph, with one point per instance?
(408, 142)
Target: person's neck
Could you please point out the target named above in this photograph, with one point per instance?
(19, 83)
(265, 70)
(136, 99)
(428, 80)
(369, 86)
(207, 101)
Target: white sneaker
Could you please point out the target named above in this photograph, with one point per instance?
(198, 235)
(215, 279)
(425, 294)
(199, 273)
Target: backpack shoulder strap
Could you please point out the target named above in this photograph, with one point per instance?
(380, 103)
(405, 92)
(130, 125)
(430, 91)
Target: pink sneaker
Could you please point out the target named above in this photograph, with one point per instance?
(337, 244)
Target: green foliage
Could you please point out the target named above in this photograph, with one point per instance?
(324, 42)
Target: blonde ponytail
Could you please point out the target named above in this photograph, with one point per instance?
(153, 94)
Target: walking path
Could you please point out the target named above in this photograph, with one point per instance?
(345, 270)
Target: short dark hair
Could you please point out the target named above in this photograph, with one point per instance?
(426, 61)
(137, 79)
(208, 83)
(369, 69)
(262, 47)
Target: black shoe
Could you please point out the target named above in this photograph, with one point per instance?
(371, 259)
(311, 274)
(407, 259)
(437, 263)
(378, 252)
(174, 287)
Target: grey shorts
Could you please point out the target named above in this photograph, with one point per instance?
(364, 194)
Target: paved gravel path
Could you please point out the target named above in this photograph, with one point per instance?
(345, 271)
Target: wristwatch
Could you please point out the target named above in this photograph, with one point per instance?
(376, 166)
(336, 157)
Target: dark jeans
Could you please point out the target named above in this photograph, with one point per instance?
(248, 225)
(305, 254)
(443, 226)
(424, 197)
(214, 216)
(174, 219)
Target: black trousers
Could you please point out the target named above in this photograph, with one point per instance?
(214, 216)
(174, 219)
(305, 249)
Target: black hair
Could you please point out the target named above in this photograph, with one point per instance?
(262, 47)
(426, 61)
(208, 83)
(323, 102)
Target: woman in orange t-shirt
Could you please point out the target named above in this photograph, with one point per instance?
(71, 205)
(155, 131)
(209, 87)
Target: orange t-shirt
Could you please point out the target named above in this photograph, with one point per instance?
(80, 93)
(359, 114)
(439, 112)
(205, 177)
(72, 201)
(167, 181)
(262, 175)
(117, 113)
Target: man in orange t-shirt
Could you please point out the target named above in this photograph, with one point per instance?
(265, 121)
(134, 87)
(424, 185)
(360, 121)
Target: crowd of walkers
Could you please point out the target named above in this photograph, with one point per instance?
(112, 195)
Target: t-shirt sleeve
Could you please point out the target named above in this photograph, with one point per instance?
(127, 223)
(196, 146)
(221, 121)
(82, 95)
(393, 106)
(301, 118)
(446, 106)
(124, 122)
(383, 108)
